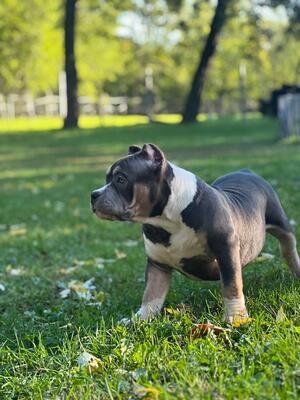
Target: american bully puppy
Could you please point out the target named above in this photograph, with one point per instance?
(207, 232)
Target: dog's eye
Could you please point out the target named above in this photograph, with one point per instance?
(121, 180)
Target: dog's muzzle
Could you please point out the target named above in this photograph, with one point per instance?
(94, 196)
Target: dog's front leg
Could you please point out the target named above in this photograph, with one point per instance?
(157, 287)
(228, 258)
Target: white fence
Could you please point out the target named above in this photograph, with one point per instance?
(15, 105)
(289, 115)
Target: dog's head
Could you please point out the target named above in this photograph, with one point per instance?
(137, 186)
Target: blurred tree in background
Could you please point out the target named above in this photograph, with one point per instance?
(72, 115)
(193, 102)
(30, 45)
(118, 42)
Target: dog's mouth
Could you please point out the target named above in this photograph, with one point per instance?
(110, 217)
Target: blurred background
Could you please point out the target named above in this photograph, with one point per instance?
(213, 83)
(149, 57)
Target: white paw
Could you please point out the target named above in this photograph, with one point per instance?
(235, 310)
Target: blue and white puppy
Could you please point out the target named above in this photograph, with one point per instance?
(208, 232)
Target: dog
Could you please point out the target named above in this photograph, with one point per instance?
(207, 232)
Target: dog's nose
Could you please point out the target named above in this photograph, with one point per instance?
(94, 195)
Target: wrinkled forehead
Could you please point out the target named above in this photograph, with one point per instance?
(134, 167)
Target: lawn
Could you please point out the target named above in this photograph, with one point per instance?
(51, 244)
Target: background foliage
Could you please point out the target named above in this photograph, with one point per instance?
(116, 41)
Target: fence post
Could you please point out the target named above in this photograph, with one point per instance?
(62, 88)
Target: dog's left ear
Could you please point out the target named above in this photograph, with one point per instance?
(134, 149)
(154, 153)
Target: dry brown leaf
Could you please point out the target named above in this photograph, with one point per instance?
(120, 254)
(201, 330)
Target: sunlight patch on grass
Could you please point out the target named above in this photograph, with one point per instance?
(22, 124)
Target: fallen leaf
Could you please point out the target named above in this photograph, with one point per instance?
(79, 263)
(170, 310)
(280, 317)
(101, 260)
(120, 254)
(69, 270)
(142, 391)
(15, 271)
(265, 257)
(17, 230)
(201, 330)
(82, 289)
(240, 321)
(65, 293)
(89, 284)
(88, 361)
(100, 265)
(180, 309)
(130, 243)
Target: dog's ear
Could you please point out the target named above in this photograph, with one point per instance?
(154, 153)
(133, 149)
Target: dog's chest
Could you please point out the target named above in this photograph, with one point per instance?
(171, 248)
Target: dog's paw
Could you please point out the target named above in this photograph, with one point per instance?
(238, 319)
(129, 321)
(235, 312)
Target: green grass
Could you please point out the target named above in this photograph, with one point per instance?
(49, 237)
(25, 124)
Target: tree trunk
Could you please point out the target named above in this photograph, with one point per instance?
(193, 101)
(71, 120)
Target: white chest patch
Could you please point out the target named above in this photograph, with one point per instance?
(185, 243)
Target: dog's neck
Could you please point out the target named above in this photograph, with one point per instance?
(183, 189)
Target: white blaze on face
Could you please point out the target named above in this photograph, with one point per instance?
(100, 190)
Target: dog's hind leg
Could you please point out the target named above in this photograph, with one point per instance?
(278, 225)
(288, 247)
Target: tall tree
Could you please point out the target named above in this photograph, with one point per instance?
(71, 120)
(193, 101)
